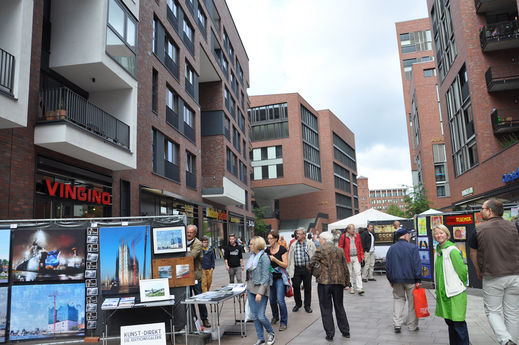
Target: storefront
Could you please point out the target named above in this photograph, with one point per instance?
(215, 227)
(237, 225)
(250, 229)
(66, 191)
(156, 202)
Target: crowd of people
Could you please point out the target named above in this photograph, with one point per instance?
(273, 270)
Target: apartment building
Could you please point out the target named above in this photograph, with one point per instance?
(380, 199)
(476, 45)
(423, 112)
(124, 108)
(303, 161)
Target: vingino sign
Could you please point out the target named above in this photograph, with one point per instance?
(511, 177)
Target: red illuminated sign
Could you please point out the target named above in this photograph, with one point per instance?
(457, 220)
(66, 191)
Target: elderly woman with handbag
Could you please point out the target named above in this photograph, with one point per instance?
(258, 287)
(451, 282)
(330, 269)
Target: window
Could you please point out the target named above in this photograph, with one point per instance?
(189, 117)
(430, 72)
(171, 99)
(443, 34)
(440, 190)
(121, 36)
(190, 162)
(188, 30)
(202, 19)
(154, 90)
(439, 171)
(172, 5)
(190, 74)
(170, 151)
(171, 49)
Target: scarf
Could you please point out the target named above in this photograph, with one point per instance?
(252, 263)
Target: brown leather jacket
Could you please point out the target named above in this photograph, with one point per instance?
(328, 265)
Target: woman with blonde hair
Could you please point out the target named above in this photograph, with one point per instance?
(258, 287)
(451, 282)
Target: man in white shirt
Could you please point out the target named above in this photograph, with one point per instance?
(368, 244)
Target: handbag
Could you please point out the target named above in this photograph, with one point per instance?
(420, 303)
(289, 292)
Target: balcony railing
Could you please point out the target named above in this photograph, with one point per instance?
(173, 20)
(171, 171)
(189, 132)
(171, 65)
(502, 77)
(190, 180)
(6, 71)
(171, 117)
(502, 124)
(483, 6)
(499, 36)
(63, 104)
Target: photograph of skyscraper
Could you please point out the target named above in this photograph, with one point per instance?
(125, 258)
(42, 311)
(3, 312)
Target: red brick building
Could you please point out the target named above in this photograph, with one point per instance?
(476, 47)
(303, 161)
(380, 199)
(144, 101)
(424, 123)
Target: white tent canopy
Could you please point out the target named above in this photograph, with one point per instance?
(431, 211)
(362, 219)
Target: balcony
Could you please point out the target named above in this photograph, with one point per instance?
(229, 194)
(190, 180)
(189, 132)
(6, 72)
(503, 123)
(71, 125)
(171, 117)
(502, 78)
(499, 36)
(484, 6)
(171, 171)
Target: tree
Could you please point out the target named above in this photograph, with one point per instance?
(395, 211)
(416, 202)
(260, 227)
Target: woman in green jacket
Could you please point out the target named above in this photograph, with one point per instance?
(451, 282)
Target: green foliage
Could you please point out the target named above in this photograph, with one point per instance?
(416, 202)
(260, 227)
(394, 210)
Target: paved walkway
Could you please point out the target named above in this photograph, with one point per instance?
(370, 319)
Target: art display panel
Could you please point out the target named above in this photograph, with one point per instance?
(56, 310)
(125, 258)
(5, 243)
(48, 255)
(179, 271)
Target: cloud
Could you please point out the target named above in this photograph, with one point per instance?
(385, 166)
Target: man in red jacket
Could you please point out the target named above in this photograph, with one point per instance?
(351, 244)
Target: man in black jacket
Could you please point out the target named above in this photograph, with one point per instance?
(368, 244)
(403, 270)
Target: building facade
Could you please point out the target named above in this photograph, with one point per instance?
(476, 57)
(423, 113)
(124, 108)
(304, 163)
(380, 199)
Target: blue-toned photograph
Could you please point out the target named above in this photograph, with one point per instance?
(125, 258)
(424, 257)
(3, 312)
(169, 240)
(44, 311)
(5, 243)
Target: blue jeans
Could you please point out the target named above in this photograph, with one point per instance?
(197, 289)
(458, 333)
(258, 311)
(277, 296)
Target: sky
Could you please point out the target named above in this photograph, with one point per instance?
(340, 55)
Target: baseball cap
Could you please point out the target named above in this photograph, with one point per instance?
(402, 232)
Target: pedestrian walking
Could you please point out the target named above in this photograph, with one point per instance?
(451, 281)
(279, 261)
(234, 260)
(368, 245)
(299, 255)
(258, 287)
(330, 268)
(208, 264)
(351, 244)
(494, 251)
(403, 270)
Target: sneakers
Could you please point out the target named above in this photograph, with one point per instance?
(372, 279)
(271, 339)
(361, 292)
(206, 323)
(364, 280)
(259, 342)
(397, 330)
(274, 320)
(282, 327)
(509, 342)
(352, 291)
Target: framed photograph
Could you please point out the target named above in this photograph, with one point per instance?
(91, 308)
(91, 324)
(92, 291)
(125, 254)
(91, 265)
(28, 323)
(90, 274)
(92, 232)
(178, 271)
(91, 283)
(424, 257)
(5, 242)
(92, 248)
(91, 316)
(3, 312)
(92, 257)
(426, 271)
(92, 239)
(91, 299)
(169, 240)
(154, 289)
(48, 255)
(459, 232)
(423, 242)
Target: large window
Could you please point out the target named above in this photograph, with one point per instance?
(415, 122)
(189, 117)
(443, 33)
(311, 154)
(154, 90)
(121, 36)
(344, 153)
(165, 152)
(268, 122)
(342, 178)
(416, 41)
(267, 162)
(440, 170)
